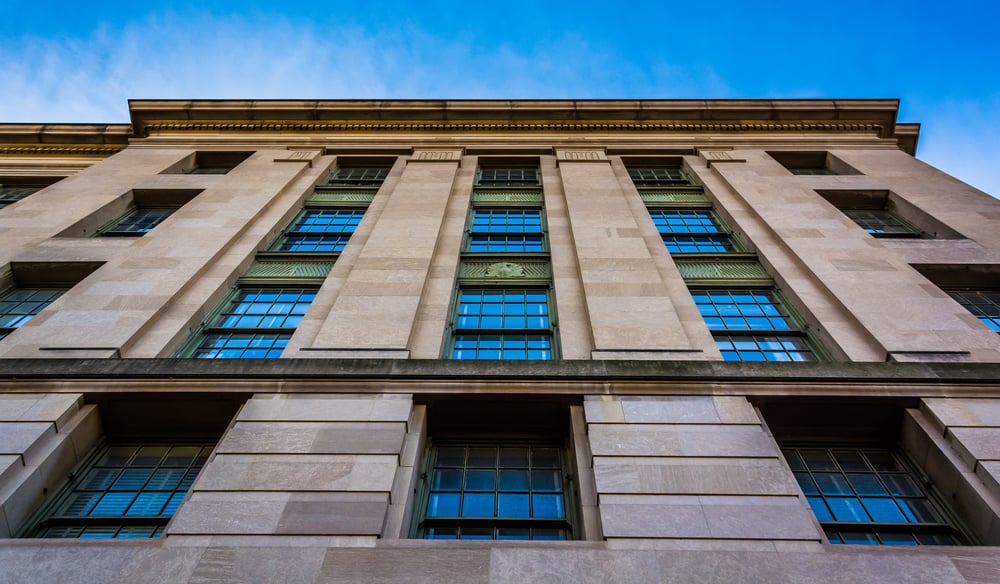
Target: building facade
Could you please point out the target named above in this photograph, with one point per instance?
(496, 341)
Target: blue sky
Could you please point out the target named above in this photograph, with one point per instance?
(81, 61)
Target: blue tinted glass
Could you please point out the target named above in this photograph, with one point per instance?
(478, 505)
(513, 505)
(547, 506)
(443, 505)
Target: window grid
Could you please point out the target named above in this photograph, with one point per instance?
(658, 177)
(506, 323)
(812, 171)
(495, 491)
(255, 324)
(727, 310)
(321, 230)
(868, 496)
(130, 491)
(880, 223)
(690, 231)
(508, 177)
(136, 223)
(358, 176)
(984, 304)
(11, 195)
(18, 305)
(506, 230)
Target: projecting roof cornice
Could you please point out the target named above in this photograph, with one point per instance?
(851, 115)
(63, 139)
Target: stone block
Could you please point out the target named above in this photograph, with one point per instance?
(693, 476)
(976, 444)
(334, 514)
(603, 409)
(784, 518)
(407, 566)
(383, 408)
(692, 440)
(951, 412)
(24, 438)
(9, 465)
(225, 564)
(640, 516)
(670, 410)
(313, 438)
(307, 472)
(233, 513)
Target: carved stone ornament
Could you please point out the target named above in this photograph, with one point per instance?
(505, 270)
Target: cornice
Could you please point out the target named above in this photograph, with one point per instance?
(87, 150)
(360, 126)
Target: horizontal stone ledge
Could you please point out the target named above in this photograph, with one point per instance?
(604, 370)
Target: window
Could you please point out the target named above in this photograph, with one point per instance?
(508, 176)
(984, 304)
(658, 177)
(320, 230)
(812, 163)
(135, 223)
(506, 231)
(256, 323)
(497, 469)
(690, 231)
(216, 162)
(123, 490)
(869, 496)
(502, 323)
(736, 316)
(18, 305)
(495, 491)
(358, 176)
(881, 223)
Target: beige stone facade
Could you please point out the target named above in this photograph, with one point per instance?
(667, 442)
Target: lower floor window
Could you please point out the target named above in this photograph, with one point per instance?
(502, 323)
(870, 496)
(495, 491)
(123, 491)
(984, 304)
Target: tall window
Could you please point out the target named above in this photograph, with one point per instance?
(502, 323)
(256, 323)
(18, 305)
(503, 302)
(123, 490)
(752, 325)
(359, 176)
(322, 230)
(12, 192)
(135, 223)
(869, 496)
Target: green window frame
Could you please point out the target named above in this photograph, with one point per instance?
(254, 322)
(358, 176)
(495, 490)
(502, 323)
(122, 490)
(881, 223)
(658, 176)
(752, 325)
(136, 222)
(691, 231)
(506, 230)
(10, 194)
(871, 495)
(320, 230)
(984, 304)
(508, 176)
(18, 305)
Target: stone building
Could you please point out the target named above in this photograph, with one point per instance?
(496, 341)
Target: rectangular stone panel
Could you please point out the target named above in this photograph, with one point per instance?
(306, 472)
(24, 438)
(334, 514)
(314, 438)
(976, 444)
(53, 407)
(707, 517)
(952, 412)
(670, 410)
(235, 513)
(693, 476)
(691, 440)
(335, 408)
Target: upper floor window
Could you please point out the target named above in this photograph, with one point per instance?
(506, 231)
(323, 230)
(508, 176)
(135, 223)
(691, 231)
(18, 305)
(984, 304)
(752, 325)
(503, 323)
(881, 223)
(812, 163)
(13, 189)
(255, 323)
(358, 176)
(211, 162)
(658, 177)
